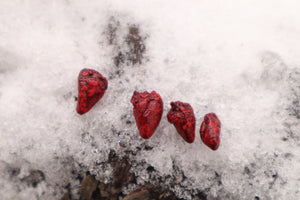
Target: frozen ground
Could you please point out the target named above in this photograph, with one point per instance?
(238, 59)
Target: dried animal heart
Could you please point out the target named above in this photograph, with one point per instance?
(210, 131)
(91, 88)
(147, 110)
(182, 116)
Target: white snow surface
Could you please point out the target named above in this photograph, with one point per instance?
(239, 59)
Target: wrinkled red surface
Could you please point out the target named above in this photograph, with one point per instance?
(147, 110)
(210, 131)
(183, 117)
(91, 88)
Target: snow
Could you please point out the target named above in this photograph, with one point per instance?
(239, 59)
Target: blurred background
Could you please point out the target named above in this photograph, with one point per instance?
(239, 59)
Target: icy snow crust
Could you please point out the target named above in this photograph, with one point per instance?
(237, 59)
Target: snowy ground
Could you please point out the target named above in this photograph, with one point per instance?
(238, 59)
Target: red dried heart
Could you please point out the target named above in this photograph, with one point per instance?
(182, 116)
(210, 131)
(147, 110)
(91, 88)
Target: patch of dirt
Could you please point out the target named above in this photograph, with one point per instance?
(92, 189)
(112, 28)
(136, 45)
(128, 45)
(34, 178)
